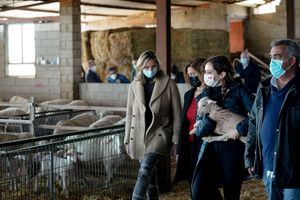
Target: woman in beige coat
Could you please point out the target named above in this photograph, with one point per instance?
(153, 122)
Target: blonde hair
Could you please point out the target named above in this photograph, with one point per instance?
(141, 63)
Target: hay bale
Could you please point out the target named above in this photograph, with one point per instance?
(86, 49)
(121, 51)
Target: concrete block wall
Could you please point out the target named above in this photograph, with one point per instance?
(112, 94)
(262, 29)
(46, 84)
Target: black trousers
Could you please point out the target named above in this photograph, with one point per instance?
(221, 165)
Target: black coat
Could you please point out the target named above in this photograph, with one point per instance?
(287, 148)
(251, 75)
(237, 99)
(187, 151)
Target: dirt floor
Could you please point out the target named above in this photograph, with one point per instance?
(251, 190)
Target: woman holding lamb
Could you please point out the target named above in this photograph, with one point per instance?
(220, 163)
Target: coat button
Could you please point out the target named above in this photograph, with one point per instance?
(277, 130)
(126, 143)
(131, 138)
(133, 115)
(275, 153)
(132, 127)
(161, 124)
(159, 134)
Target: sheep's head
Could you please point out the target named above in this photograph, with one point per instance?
(204, 106)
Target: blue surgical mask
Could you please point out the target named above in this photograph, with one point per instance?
(150, 73)
(244, 62)
(276, 68)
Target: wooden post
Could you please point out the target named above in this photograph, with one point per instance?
(163, 33)
(290, 19)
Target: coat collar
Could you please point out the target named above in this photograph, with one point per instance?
(159, 87)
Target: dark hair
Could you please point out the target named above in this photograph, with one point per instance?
(197, 64)
(222, 64)
(292, 49)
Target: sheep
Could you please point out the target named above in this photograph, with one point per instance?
(62, 166)
(21, 100)
(82, 120)
(51, 102)
(224, 125)
(78, 103)
(13, 165)
(108, 149)
(106, 121)
(9, 112)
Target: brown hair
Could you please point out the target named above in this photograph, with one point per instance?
(222, 64)
(198, 65)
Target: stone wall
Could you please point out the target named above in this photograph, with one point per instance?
(262, 29)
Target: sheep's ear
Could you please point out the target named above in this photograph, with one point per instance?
(209, 101)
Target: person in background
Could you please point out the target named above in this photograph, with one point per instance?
(133, 69)
(176, 75)
(188, 145)
(152, 122)
(91, 75)
(221, 162)
(248, 72)
(115, 77)
(272, 148)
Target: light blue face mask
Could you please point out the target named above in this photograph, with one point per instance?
(150, 73)
(276, 68)
(244, 62)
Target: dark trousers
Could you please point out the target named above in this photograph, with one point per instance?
(147, 178)
(221, 165)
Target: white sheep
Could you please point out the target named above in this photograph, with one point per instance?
(51, 102)
(78, 103)
(21, 100)
(225, 124)
(62, 166)
(82, 120)
(106, 121)
(108, 149)
(10, 112)
(13, 165)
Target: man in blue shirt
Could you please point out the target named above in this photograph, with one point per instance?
(272, 149)
(114, 77)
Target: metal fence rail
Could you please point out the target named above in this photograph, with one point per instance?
(16, 123)
(89, 164)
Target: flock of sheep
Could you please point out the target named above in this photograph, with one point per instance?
(108, 150)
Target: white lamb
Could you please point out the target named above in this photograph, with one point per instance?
(225, 125)
(21, 100)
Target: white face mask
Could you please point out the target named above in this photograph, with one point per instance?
(113, 76)
(209, 80)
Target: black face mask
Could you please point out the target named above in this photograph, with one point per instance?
(194, 81)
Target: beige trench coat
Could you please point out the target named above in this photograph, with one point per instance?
(165, 105)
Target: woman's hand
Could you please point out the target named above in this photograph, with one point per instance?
(193, 131)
